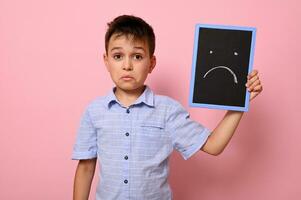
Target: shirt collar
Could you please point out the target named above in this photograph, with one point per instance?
(147, 97)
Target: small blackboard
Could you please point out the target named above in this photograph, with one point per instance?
(222, 59)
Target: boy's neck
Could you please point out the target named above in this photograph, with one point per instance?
(128, 97)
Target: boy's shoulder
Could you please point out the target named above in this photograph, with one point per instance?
(166, 101)
(163, 98)
(97, 102)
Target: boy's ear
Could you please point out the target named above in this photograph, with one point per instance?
(153, 64)
(105, 60)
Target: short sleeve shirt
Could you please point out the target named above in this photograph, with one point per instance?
(133, 144)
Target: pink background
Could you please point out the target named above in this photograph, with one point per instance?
(51, 67)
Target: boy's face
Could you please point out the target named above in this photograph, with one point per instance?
(128, 62)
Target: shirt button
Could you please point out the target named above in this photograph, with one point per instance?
(127, 134)
(126, 157)
(128, 110)
(125, 181)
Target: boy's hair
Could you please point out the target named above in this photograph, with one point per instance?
(130, 25)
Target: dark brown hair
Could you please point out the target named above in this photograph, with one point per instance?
(130, 25)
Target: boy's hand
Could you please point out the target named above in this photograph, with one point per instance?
(253, 85)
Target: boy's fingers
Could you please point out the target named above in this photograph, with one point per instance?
(253, 79)
(253, 95)
(253, 73)
(253, 85)
(256, 92)
(258, 88)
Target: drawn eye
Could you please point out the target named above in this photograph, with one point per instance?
(211, 52)
(235, 53)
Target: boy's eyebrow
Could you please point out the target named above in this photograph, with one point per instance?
(141, 48)
(118, 48)
(115, 48)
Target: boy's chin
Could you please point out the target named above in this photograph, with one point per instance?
(130, 87)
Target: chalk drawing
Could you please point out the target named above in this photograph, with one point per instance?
(222, 67)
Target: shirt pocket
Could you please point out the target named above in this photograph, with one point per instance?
(151, 140)
(152, 126)
(152, 130)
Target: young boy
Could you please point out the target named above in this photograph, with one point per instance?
(132, 131)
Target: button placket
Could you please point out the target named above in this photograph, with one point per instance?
(126, 151)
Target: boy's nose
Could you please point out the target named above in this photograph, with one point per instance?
(127, 65)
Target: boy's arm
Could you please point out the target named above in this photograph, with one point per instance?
(83, 179)
(224, 131)
(222, 134)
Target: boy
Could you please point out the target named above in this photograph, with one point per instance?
(132, 131)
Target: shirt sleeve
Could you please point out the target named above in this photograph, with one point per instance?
(85, 146)
(187, 136)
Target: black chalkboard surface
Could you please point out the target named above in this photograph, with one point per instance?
(222, 59)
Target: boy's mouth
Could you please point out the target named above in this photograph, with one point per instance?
(127, 78)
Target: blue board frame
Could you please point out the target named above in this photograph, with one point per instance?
(194, 61)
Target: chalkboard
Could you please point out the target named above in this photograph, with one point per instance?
(222, 59)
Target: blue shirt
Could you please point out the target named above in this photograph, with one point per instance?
(133, 144)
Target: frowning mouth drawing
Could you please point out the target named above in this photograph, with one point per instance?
(222, 67)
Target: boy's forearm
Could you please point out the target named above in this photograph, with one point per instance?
(222, 134)
(82, 181)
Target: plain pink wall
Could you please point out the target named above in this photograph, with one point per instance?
(51, 67)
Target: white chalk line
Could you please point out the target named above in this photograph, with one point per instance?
(222, 67)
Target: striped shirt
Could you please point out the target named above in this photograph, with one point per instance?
(133, 144)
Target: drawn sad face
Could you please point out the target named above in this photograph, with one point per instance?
(222, 66)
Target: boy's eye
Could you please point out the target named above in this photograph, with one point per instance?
(117, 56)
(137, 57)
